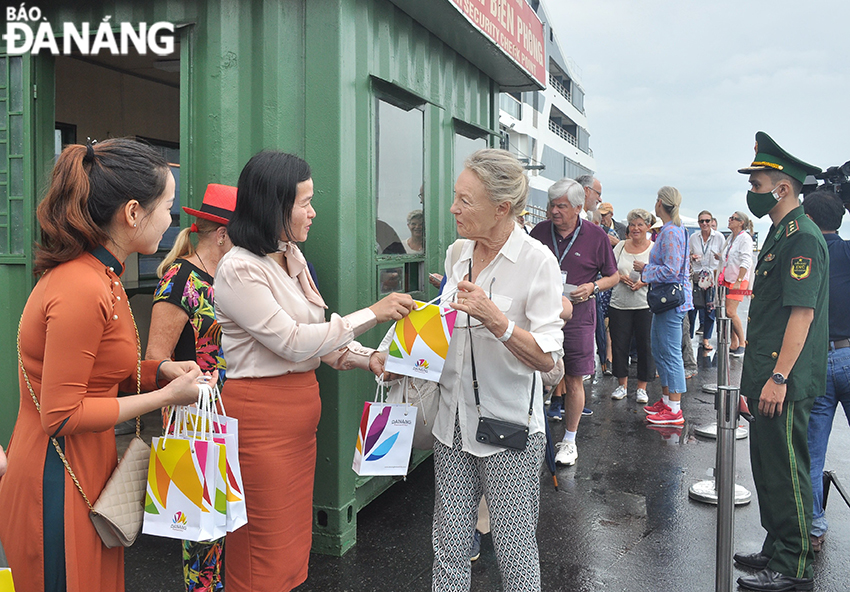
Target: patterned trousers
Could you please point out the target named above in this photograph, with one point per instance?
(510, 483)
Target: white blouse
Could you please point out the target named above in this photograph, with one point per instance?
(268, 325)
(737, 253)
(525, 283)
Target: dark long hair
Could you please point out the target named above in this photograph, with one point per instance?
(265, 196)
(88, 186)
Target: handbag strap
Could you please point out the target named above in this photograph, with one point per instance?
(475, 374)
(38, 406)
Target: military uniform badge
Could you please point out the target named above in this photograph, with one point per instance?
(801, 268)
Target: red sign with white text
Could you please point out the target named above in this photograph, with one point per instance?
(514, 27)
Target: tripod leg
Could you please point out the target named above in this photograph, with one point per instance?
(827, 479)
(843, 492)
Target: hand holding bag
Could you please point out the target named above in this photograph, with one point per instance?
(118, 512)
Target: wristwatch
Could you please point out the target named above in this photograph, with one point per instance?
(778, 378)
(595, 289)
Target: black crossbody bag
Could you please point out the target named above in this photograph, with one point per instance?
(497, 432)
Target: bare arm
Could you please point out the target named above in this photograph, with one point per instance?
(167, 322)
(796, 332)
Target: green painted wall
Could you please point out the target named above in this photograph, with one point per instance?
(298, 76)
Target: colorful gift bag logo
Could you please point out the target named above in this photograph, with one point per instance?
(420, 342)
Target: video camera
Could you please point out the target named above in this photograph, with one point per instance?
(835, 179)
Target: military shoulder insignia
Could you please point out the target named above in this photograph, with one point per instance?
(769, 257)
(801, 268)
(792, 228)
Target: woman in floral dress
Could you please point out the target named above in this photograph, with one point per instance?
(187, 330)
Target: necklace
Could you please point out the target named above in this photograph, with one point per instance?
(198, 255)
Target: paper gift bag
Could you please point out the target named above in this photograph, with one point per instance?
(6, 583)
(236, 512)
(180, 496)
(385, 439)
(421, 342)
(225, 431)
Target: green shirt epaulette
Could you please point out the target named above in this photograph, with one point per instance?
(792, 228)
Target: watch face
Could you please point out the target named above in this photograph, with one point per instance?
(778, 378)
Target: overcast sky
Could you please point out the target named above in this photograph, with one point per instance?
(676, 90)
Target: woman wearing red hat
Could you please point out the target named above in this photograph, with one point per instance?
(183, 327)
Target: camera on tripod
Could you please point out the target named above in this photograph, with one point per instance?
(835, 179)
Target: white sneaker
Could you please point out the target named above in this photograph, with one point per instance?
(642, 397)
(619, 393)
(567, 453)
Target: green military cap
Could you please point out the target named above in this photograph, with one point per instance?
(770, 157)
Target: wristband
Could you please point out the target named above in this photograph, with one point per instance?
(156, 379)
(508, 332)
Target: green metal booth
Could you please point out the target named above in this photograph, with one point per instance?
(383, 98)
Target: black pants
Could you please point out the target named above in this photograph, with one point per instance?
(623, 324)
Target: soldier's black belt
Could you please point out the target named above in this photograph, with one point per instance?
(840, 344)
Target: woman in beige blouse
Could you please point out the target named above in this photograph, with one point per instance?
(274, 334)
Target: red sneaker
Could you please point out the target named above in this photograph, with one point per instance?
(657, 407)
(666, 417)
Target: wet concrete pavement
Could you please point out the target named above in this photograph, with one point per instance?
(621, 519)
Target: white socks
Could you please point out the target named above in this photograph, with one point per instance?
(569, 436)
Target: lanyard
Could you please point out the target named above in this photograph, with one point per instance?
(569, 246)
(705, 243)
(731, 242)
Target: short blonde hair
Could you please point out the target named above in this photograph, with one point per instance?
(648, 218)
(502, 175)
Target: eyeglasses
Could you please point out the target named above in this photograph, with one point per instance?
(705, 221)
(599, 193)
(735, 218)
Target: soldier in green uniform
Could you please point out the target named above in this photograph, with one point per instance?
(784, 366)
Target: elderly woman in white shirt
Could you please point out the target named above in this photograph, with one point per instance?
(508, 298)
(736, 260)
(274, 334)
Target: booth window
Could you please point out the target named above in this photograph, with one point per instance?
(464, 146)
(399, 198)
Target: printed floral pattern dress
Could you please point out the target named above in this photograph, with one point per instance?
(191, 288)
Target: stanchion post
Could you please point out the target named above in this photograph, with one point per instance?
(724, 479)
(724, 467)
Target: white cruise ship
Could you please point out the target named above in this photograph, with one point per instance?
(547, 129)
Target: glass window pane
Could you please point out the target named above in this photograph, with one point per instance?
(16, 134)
(17, 177)
(465, 146)
(16, 84)
(4, 241)
(400, 224)
(16, 226)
